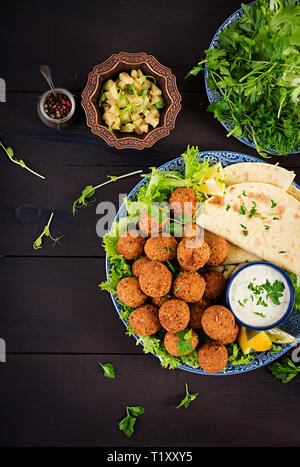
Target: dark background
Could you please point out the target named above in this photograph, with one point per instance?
(56, 322)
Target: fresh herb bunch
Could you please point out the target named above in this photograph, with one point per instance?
(257, 72)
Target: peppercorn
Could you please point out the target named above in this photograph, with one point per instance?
(57, 107)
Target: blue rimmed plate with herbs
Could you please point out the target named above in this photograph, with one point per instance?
(252, 76)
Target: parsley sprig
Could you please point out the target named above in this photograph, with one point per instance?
(127, 424)
(285, 370)
(183, 344)
(108, 370)
(188, 398)
(274, 291)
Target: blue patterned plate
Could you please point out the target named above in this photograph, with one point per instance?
(214, 95)
(292, 325)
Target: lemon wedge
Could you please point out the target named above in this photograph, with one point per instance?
(278, 336)
(214, 183)
(250, 340)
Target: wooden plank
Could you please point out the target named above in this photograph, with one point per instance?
(27, 202)
(82, 36)
(43, 147)
(66, 401)
(55, 305)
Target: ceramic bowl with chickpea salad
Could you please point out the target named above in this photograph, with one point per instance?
(131, 100)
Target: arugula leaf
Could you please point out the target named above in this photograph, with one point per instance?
(127, 424)
(188, 398)
(108, 369)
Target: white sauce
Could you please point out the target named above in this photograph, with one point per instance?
(250, 303)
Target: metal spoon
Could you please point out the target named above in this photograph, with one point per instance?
(45, 70)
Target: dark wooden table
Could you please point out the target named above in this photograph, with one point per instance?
(56, 322)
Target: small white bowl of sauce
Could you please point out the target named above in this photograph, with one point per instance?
(260, 295)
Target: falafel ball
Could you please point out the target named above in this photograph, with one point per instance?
(171, 340)
(174, 315)
(218, 322)
(155, 279)
(215, 285)
(161, 248)
(131, 244)
(232, 336)
(144, 320)
(191, 230)
(212, 357)
(130, 292)
(197, 309)
(159, 301)
(218, 249)
(183, 201)
(138, 264)
(149, 225)
(192, 254)
(189, 286)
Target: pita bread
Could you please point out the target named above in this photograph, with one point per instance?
(245, 172)
(271, 232)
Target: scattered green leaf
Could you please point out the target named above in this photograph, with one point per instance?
(188, 398)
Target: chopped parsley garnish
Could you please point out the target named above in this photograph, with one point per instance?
(245, 231)
(260, 301)
(242, 210)
(273, 204)
(228, 207)
(259, 314)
